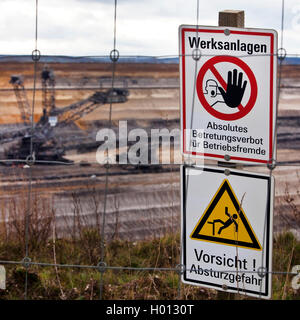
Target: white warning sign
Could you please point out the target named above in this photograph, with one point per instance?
(227, 230)
(228, 93)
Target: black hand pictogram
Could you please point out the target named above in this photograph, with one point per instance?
(235, 89)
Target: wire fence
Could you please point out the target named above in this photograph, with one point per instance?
(108, 172)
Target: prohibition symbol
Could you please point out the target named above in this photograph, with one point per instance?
(232, 91)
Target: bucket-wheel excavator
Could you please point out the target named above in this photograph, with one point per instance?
(39, 139)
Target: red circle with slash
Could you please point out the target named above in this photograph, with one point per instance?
(210, 65)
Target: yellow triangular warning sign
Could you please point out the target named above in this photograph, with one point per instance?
(225, 222)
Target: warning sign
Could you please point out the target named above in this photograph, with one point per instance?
(227, 230)
(228, 93)
(224, 221)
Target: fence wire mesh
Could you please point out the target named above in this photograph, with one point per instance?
(103, 174)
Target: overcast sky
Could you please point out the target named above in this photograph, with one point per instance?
(144, 27)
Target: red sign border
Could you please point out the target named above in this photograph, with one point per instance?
(256, 33)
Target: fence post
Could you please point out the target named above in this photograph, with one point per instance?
(230, 18)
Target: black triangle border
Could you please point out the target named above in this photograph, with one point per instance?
(196, 236)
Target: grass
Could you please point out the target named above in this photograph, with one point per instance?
(286, 254)
(83, 284)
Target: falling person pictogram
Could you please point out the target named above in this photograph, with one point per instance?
(226, 224)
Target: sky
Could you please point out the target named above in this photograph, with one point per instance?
(144, 27)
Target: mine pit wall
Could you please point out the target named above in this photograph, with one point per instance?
(147, 213)
(139, 206)
(286, 216)
(287, 200)
(130, 216)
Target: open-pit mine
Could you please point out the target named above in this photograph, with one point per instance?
(72, 103)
